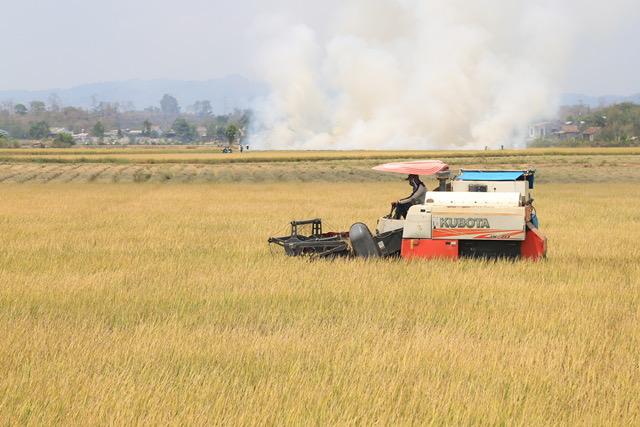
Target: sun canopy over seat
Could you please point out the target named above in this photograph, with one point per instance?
(420, 167)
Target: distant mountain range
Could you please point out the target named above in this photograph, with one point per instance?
(225, 94)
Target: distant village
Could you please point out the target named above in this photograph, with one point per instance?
(155, 136)
(562, 131)
(39, 125)
(615, 125)
(60, 137)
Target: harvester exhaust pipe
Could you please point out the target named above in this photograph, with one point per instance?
(362, 241)
(443, 177)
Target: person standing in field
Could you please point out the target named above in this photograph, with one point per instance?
(416, 198)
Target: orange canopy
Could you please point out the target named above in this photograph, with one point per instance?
(419, 167)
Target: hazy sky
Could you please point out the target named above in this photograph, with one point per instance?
(62, 43)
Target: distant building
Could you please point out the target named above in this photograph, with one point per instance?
(568, 131)
(543, 130)
(57, 131)
(82, 138)
(591, 133)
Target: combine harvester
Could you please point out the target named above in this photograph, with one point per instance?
(476, 214)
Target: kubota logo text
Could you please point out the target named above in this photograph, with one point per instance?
(464, 223)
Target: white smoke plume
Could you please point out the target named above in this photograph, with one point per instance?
(418, 74)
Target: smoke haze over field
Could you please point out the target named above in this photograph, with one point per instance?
(420, 74)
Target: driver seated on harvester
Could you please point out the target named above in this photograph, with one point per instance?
(416, 198)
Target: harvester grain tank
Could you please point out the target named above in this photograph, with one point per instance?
(477, 214)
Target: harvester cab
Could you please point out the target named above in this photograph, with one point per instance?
(477, 214)
(487, 214)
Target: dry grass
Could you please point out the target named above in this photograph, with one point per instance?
(156, 304)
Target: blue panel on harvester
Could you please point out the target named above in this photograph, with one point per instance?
(490, 176)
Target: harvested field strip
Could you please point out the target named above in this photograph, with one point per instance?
(591, 171)
(596, 165)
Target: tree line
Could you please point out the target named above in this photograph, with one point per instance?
(167, 120)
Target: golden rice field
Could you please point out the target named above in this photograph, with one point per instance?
(162, 304)
(212, 155)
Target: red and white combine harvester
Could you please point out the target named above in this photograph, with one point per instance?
(477, 214)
